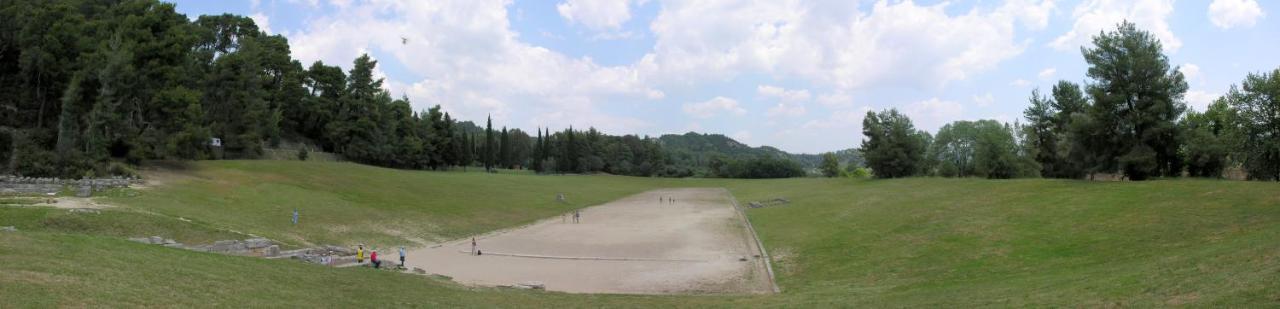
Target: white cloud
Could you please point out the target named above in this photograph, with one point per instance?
(1047, 73)
(790, 102)
(1093, 16)
(1191, 72)
(931, 114)
(1200, 100)
(598, 15)
(848, 118)
(474, 64)
(984, 100)
(712, 107)
(833, 44)
(263, 22)
(835, 99)
(1227, 14)
(1020, 83)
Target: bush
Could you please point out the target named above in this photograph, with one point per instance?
(302, 154)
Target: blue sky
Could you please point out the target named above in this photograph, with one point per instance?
(798, 75)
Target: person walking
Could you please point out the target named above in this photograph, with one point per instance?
(401, 256)
(473, 246)
(295, 216)
(360, 254)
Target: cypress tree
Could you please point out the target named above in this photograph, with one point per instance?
(488, 144)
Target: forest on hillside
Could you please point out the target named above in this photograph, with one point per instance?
(97, 87)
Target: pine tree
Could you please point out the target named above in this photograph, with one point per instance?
(1137, 98)
(488, 144)
(504, 149)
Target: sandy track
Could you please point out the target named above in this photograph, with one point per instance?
(634, 245)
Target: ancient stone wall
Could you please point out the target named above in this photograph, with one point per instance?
(32, 185)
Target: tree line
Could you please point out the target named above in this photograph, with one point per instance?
(1130, 120)
(95, 87)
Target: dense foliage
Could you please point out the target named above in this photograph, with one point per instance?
(91, 87)
(1133, 120)
(892, 146)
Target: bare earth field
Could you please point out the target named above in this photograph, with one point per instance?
(634, 245)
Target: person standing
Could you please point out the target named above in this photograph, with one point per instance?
(295, 216)
(473, 246)
(577, 216)
(373, 258)
(401, 256)
(360, 254)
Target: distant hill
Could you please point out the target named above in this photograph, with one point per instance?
(699, 148)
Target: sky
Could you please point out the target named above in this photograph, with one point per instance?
(797, 75)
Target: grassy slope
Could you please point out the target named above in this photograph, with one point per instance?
(1022, 242)
(342, 203)
(907, 242)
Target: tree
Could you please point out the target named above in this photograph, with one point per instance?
(488, 153)
(1137, 99)
(1043, 133)
(1257, 101)
(1209, 139)
(830, 165)
(893, 147)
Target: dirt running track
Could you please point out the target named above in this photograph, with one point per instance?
(635, 245)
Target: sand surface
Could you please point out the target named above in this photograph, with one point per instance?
(634, 245)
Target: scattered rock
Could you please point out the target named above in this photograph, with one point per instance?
(768, 203)
(169, 241)
(257, 243)
(530, 285)
(8, 229)
(156, 240)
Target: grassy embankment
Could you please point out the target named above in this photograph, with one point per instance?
(913, 242)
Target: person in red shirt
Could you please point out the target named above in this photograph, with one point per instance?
(373, 258)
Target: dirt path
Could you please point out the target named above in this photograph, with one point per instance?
(635, 245)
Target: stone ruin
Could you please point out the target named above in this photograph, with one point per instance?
(769, 203)
(15, 185)
(262, 247)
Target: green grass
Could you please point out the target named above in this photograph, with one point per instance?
(344, 203)
(969, 242)
(847, 243)
(111, 222)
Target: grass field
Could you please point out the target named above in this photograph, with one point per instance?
(890, 243)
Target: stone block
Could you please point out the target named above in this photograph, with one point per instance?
(257, 243)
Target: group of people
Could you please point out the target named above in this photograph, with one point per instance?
(577, 216)
(373, 256)
(664, 199)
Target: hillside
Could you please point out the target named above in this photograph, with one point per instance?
(922, 242)
(700, 148)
